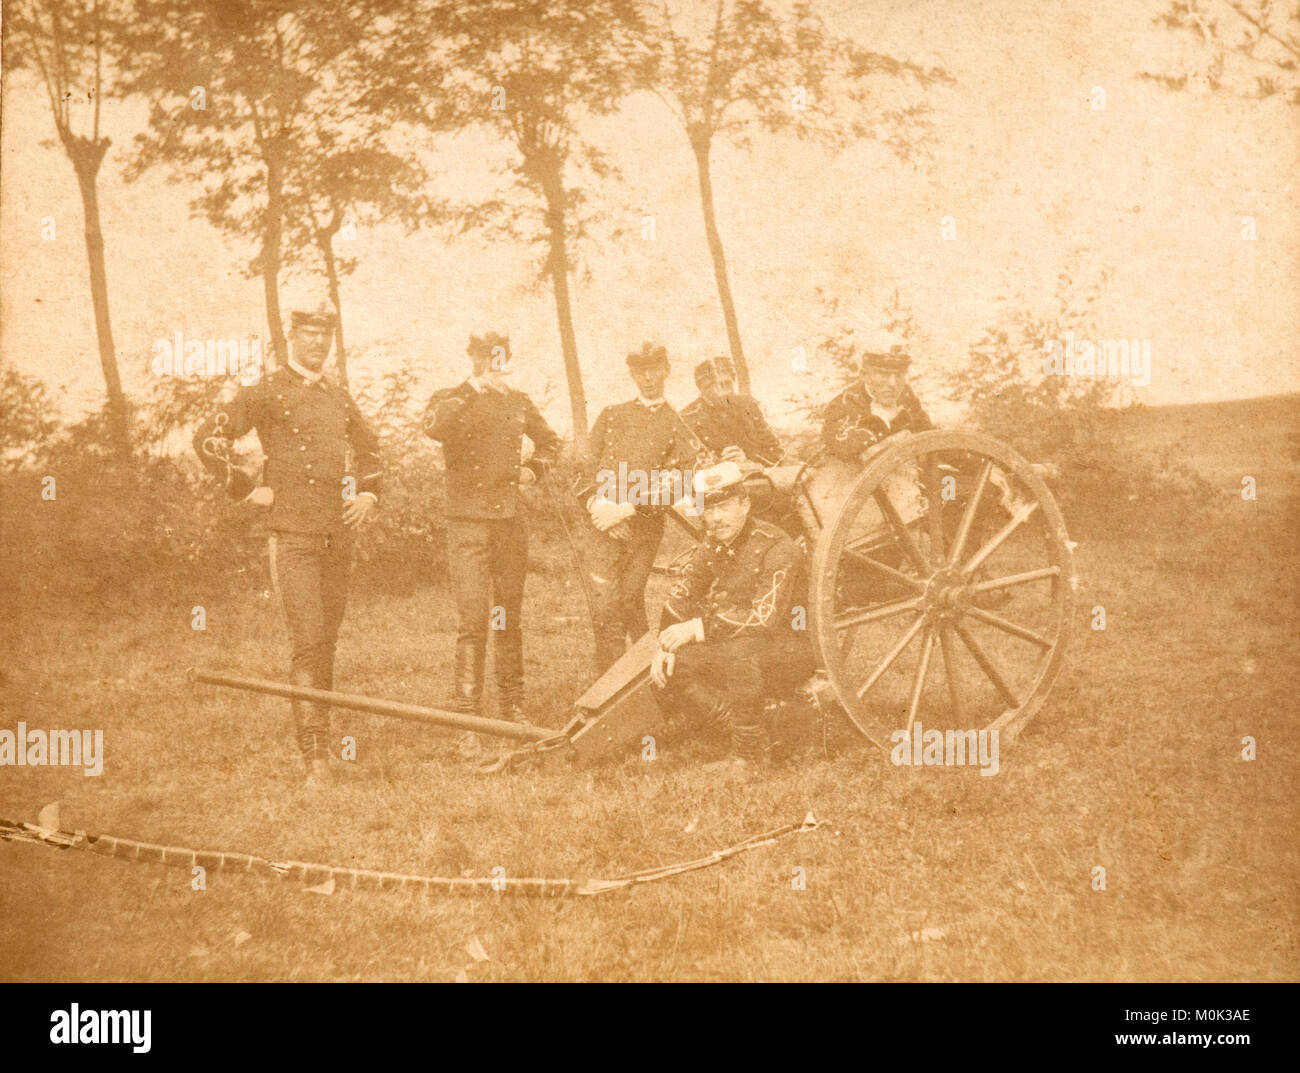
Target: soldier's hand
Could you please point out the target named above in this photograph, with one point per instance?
(359, 511)
(671, 638)
(526, 475)
(261, 496)
(732, 453)
(883, 442)
(606, 515)
(661, 667)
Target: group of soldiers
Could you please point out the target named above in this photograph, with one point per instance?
(728, 636)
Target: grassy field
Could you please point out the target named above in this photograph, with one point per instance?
(1135, 764)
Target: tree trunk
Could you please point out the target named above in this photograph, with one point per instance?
(325, 240)
(86, 158)
(700, 145)
(558, 266)
(269, 259)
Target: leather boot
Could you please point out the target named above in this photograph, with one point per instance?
(508, 658)
(318, 772)
(717, 718)
(320, 732)
(743, 728)
(306, 719)
(748, 741)
(467, 690)
(701, 702)
(467, 685)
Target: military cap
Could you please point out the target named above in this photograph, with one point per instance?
(649, 354)
(716, 484)
(320, 316)
(896, 357)
(713, 371)
(482, 346)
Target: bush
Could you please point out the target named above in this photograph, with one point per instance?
(80, 523)
(1070, 421)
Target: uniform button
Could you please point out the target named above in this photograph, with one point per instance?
(302, 447)
(309, 465)
(311, 480)
(295, 430)
(286, 414)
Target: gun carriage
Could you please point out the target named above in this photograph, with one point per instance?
(941, 592)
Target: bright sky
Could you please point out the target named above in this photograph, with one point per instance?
(1153, 187)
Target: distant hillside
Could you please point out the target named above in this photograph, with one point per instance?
(1224, 441)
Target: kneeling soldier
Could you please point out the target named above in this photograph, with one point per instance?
(306, 426)
(480, 424)
(732, 631)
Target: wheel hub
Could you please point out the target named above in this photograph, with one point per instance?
(944, 595)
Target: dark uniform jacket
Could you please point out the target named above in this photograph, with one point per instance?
(743, 589)
(849, 426)
(481, 434)
(305, 428)
(643, 438)
(738, 420)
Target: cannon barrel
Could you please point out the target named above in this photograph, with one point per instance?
(415, 712)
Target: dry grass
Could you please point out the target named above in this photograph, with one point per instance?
(1135, 765)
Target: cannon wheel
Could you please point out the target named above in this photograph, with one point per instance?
(899, 588)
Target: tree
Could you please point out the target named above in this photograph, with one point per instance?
(762, 66)
(527, 72)
(65, 42)
(335, 184)
(1263, 40)
(26, 418)
(237, 90)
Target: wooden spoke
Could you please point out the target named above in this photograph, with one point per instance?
(918, 684)
(986, 664)
(996, 541)
(950, 670)
(968, 518)
(933, 512)
(892, 593)
(857, 618)
(1007, 626)
(888, 571)
(894, 653)
(899, 528)
(1016, 579)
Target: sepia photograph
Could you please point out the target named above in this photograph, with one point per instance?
(680, 491)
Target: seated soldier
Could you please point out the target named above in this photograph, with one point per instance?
(732, 631)
(729, 424)
(878, 405)
(855, 426)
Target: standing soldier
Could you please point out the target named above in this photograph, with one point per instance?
(315, 501)
(880, 404)
(480, 424)
(632, 444)
(730, 425)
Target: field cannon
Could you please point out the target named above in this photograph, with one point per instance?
(941, 589)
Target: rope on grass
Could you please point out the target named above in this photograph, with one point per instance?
(332, 876)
